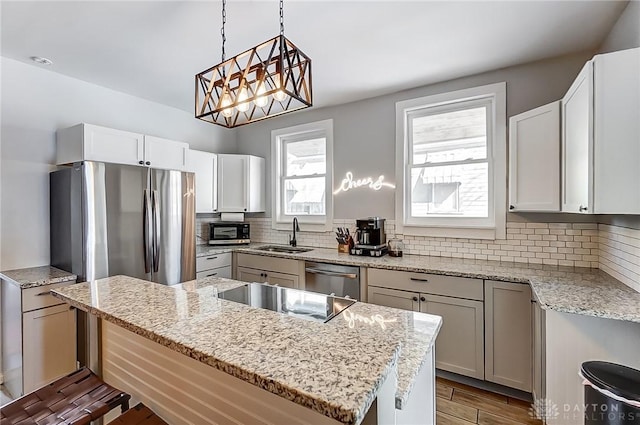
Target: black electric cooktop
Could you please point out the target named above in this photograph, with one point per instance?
(293, 302)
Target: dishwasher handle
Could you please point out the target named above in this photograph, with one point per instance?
(330, 273)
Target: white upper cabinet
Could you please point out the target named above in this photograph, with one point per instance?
(204, 165)
(241, 183)
(87, 142)
(616, 142)
(601, 136)
(577, 144)
(534, 159)
(164, 153)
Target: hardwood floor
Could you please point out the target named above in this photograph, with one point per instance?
(459, 404)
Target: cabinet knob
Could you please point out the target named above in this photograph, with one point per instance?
(423, 299)
(511, 207)
(245, 209)
(415, 298)
(141, 162)
(582, 208)
(148, 162)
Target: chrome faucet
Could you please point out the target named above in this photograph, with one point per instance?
(296, 228)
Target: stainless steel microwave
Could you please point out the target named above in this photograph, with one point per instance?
(228, 233)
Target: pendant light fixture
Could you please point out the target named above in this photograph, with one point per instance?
(271, 79)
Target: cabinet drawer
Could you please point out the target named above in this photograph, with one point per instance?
(460, 287)
(39, 297)
(281, 265)
(213, 261)
(219, 272)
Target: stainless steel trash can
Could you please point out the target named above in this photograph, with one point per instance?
(611, 394)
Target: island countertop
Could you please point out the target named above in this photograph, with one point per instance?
(334, 368)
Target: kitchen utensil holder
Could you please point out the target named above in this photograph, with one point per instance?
(344, 248)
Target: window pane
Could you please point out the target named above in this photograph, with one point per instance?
(450, 136)
(304, 196)
(450, 190)
(306, 157)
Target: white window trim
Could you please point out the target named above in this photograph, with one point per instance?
(498, 151)
(307, 223)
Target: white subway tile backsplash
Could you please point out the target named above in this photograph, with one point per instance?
(619, 253)
(566, 244)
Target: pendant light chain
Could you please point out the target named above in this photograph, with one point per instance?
(224, 21)
(281, 17)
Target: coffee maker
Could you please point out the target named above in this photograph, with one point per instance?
(370, 237)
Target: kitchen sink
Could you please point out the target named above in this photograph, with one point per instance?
(284, 249)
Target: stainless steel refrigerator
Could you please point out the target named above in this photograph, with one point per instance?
(111, 219)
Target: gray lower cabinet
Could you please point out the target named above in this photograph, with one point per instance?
(460, 343)
(539, 351)
(508, 337)
(38, 337)
(286, 280)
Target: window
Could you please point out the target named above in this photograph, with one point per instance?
(302, 160)
(451, 164)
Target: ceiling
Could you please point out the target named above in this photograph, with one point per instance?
(359, 49)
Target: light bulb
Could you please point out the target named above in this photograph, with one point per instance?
(279, 95)
(261, 100)
(225, 103)
(242, 97)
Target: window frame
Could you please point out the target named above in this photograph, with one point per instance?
(493, 227)
(279, 137)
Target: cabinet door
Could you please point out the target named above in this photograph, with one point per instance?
(534, 159)
(256, 185)
(577, 144)
(282, 279)
(393, 298)
(508, 338)
(165, 154)
(460, 343)
(115, 146)
(204, 165)
(232, 183)
(245, 274)
(616, 140)
(49, 338)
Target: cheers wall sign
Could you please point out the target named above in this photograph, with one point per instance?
(349, 183)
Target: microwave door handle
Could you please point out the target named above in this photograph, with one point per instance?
(146, 231)
(156, 230)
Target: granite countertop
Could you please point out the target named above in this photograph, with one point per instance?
(585, 291)
(334, 368)
(36, 276)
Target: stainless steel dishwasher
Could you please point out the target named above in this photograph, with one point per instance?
(342, 281)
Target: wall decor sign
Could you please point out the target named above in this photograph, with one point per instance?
(349, 183)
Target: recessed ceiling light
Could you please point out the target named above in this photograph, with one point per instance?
(41, 60)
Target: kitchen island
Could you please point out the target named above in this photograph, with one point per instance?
(196, 358)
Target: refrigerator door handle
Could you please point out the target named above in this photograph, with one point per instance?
(146, 231)
(156, 230)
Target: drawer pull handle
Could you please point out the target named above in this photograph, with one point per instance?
(415, 298)
(212, 258)
(43, 293)
(212, 274)
(416, 279)
(423, 299)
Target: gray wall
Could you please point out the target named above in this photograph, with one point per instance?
(36, 102)
(364, 131)
(625, 33)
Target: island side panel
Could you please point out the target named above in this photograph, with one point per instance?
(420, 408)
(183, 390)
